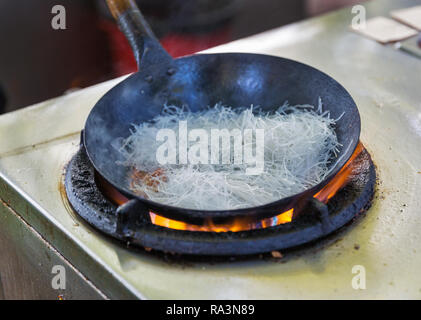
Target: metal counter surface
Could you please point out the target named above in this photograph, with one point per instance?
(38, 141)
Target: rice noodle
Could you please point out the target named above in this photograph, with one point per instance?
(300, 142)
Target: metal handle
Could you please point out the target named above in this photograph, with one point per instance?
(138, 32)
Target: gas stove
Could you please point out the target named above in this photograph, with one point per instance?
(42, 226)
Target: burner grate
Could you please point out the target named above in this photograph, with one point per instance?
(318, 221)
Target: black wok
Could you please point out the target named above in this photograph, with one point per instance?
(199, 81)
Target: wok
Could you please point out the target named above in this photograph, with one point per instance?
(199, 81)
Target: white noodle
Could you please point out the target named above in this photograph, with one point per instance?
(300, 143)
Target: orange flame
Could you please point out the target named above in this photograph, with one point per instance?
(242, 224)
(238, 224)
(341, 179)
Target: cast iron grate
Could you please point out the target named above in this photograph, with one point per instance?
(317, 222)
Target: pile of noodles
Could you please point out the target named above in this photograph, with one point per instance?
(299, 144)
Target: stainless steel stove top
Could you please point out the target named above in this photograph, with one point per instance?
(37, 142)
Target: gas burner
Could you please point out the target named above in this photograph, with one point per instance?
(343, 199)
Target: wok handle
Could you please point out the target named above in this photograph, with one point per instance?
(138, 32)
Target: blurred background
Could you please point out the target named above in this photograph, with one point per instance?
(38, 62)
